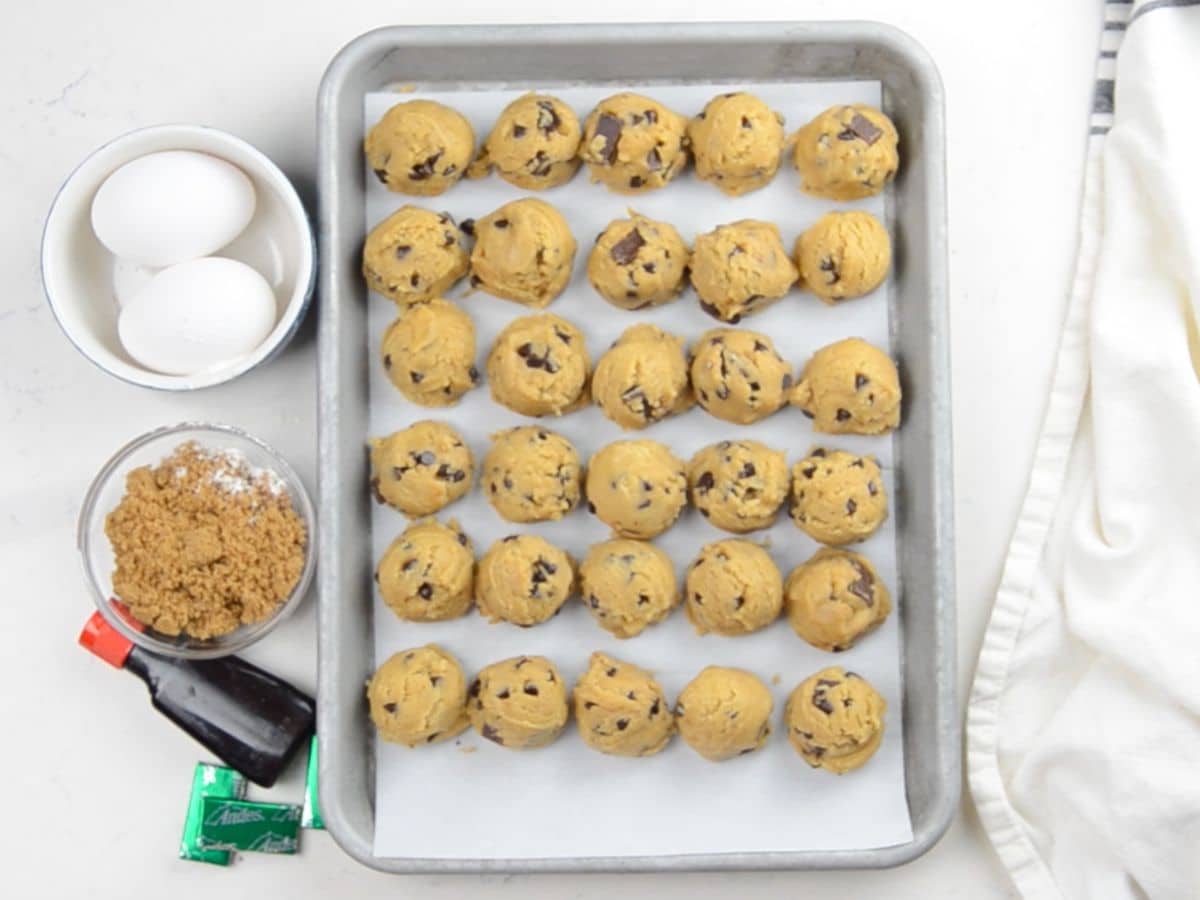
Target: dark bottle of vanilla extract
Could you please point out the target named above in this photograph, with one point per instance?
(250, 719)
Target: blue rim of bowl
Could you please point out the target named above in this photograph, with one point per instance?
(299, 497)
(284, 339)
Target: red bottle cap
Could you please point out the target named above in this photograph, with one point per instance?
(105, 641)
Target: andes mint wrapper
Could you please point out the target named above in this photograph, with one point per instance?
(213, 783)
(245, 825)
(311, 817)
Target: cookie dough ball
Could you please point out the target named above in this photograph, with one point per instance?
(724, 713)
(414, 255)
(837, 497)
(620, 709)
(533, 145)
(532, 475)
(634, 144)
(733, 587)
(642, 378)
(419, 696)
(524, 580)
(737, 142)
(420, 147)
(518, 703)
(850, 387)
(740, 268)
(739, 486)
(637, 488)
(739, 376)
(846, 153)
(628, 586)
(428, 573)
(523, 252)
(429, 353)
(422, 468)
(835, 720)
(835, 598)
(539, 366)
(638, 262)
(844, 255)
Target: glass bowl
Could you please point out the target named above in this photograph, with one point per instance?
(106, 492)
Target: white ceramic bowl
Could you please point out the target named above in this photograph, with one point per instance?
(80, 275)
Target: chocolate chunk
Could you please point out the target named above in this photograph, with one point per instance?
(626, 249)
(424, 458)
(540, 165)
(475, 688)
(739, 601)
(809, 472)
(591, 507)
(425, 591)
(476, 281)
(705, 482)
(425, 169)
(760, 347)
(500, 223)
(829, 266)
(608, 128)
(746, 123)
(631, 695)
(861, 381)
(819, 453)
(842, 415)
(651, 116)
(747, 470)
(435, 680)
(872, 489)
(851, 507)
(387, 360)
(468, 227)
(409, 564)
(489, 731)
(653, 160)
(531, 689)
(445, 473)
(402, 250)
(636, 182)
(622, 724)
(520, 662)
(416, 377)
(414, 279)
(821, 701)
(864, 587)
(611, 671)
(519, 131)
(864, 129)
(643, 599)
(548, 119)
(697, 599)
(503, 694)
(636, 118)
(381, 174)
(562, 335)
(462, 538)
(473, 374)
(391, 708)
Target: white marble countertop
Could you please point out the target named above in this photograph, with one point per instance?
(95, 786)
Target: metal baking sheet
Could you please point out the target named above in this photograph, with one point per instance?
(702, 54)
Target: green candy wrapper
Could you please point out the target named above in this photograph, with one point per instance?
(311, 817)
(244, 825)
(208, 782)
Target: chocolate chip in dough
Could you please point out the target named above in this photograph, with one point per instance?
(625, 250)
(608, 128)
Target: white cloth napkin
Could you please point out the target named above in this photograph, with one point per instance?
(1084, 722)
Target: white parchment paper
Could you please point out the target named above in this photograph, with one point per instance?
(470, 798)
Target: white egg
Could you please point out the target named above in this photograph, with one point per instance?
(170, 207)
(198, 316)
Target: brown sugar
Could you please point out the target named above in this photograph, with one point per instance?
(204, 543)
